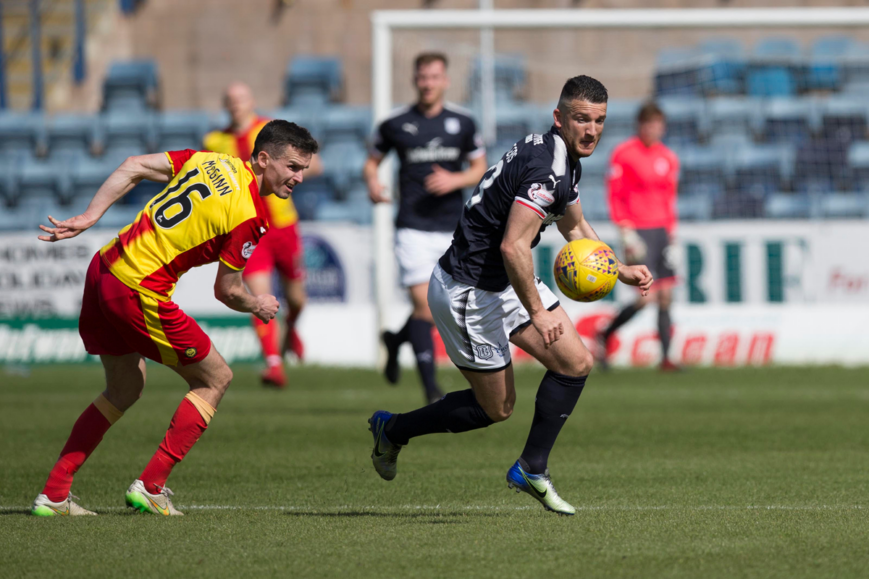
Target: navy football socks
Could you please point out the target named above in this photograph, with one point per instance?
(455, 412)
(419, 333)
(556, 398)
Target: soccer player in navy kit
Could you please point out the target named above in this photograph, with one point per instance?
(433, 139)
(483, 295)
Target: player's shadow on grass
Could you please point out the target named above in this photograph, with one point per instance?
(432, 518)
(14, 512)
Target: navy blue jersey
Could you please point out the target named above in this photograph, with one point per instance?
(447, 139)
(537, 173)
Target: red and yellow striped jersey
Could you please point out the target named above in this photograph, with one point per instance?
(210, 210)
(281, 212)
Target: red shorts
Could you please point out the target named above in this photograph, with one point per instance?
(117, 320)
(281, 249)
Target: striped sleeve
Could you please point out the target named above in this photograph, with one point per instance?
(537, 190)
(178, 158)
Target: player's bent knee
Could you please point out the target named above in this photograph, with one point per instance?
(500, 414)
(581, 365)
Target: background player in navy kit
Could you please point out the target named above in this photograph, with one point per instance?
(483, 295)
(433, 139)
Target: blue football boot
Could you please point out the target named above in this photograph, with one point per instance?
(385, 454)
(540, 487)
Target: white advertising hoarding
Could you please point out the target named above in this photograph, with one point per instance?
(750, 292)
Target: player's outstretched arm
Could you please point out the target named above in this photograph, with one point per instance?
(523, 224)
(573, 225)
(152, 167)
(376, 191)
(229, 289)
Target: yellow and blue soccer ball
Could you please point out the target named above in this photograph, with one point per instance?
(586, 270)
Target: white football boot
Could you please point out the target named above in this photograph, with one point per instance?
(143, 501)
(42, 507)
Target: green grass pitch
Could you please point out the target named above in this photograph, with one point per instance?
(708, 473)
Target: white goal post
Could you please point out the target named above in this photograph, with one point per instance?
(385, 22)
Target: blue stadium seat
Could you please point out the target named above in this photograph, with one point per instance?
(777, 50)
(844, 206)
(10, 173)
(310, 117)
(346, 123)
(685, 120)
(774, 67)
(824, 70)
(88, 174)
(21, 131)
(696, 207)
(312, 81)
(732, 115)
(513, 123)
(594, 169)
(844, 117)
(71, 134)
(770, 81)
(343, 161)
(126, 133)
(47, 179)
(703, 172)
(18, 218)
(593, 197)
(722, 68)
(358, 212)
(788, 206)
(858, 163)
(312, 193)
(676, 73)
(130, 86)
(787, 120)
(821, 166)
(179, 130)
(621, 117)
(119, 215)
(510, 78)
(856, 64)
(762, 169)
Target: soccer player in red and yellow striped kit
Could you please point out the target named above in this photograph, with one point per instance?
(281, 249)
(211, 210)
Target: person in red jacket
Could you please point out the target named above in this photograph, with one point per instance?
(642, 184)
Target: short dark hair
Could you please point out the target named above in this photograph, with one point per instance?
(583, 88)
(650, 110)
(276, 135)
(428, 58)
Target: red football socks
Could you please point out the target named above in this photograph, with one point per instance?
(86, 434)
(189, 422)
(268, 339)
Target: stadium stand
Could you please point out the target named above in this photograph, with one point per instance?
(775, 131)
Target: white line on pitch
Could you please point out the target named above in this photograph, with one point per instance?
(313, 509)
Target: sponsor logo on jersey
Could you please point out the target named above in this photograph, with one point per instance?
(536, 139)
(615, 171)
(452, 125)
(190, 352)
(410, 128)
(538, 193)
(433, 152)
(662, 166)
(247, 249)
